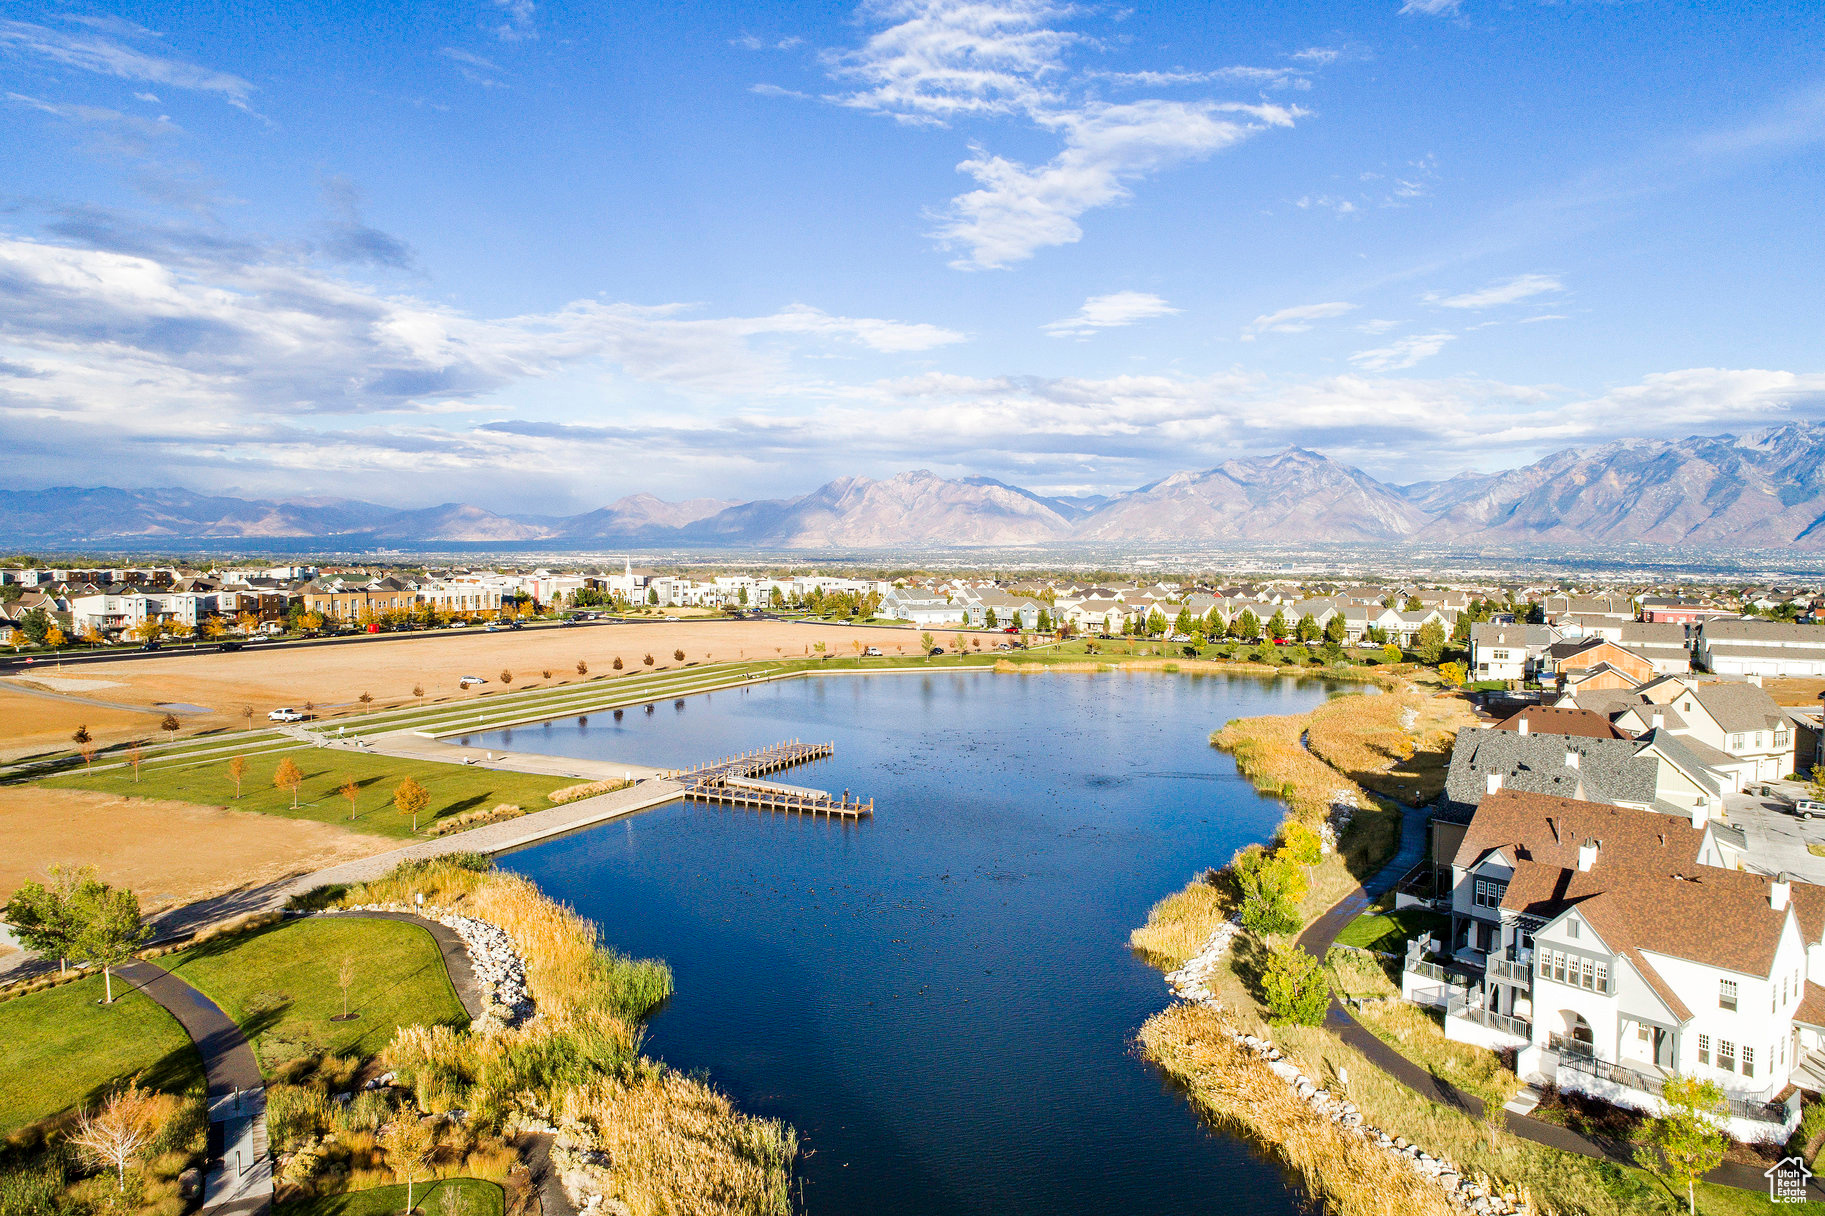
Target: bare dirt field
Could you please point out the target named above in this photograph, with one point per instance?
(333, 678)
(169, 852)
(1795, 690)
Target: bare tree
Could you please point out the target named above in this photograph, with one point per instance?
(114, 1134)
(85, 744)
(366, 699)
(345, 979)
(409, 1145)
(246, 717)
(134, 755)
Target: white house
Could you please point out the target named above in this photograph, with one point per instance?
(920, 606)
(1613, 947)
(1508, 652)
(1762, 648)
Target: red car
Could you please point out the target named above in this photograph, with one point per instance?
(1011, 629)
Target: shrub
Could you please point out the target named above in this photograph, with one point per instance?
(678, 655)
(1295, 987)
(1301, 844)
(571, 793)
(648, 660)
(1271, 888)
(33, 1192)
(294, 1115)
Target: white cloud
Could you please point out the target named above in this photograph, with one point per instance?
(1108, 312)
(516, 23)
(1379, 325)
(1521, 287)
(1019, 209)
(940, 62)
(1431, 8)
(106, 57)
(476, 69)
(1402, 353)
(1295, 320)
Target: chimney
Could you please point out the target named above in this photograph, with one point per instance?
(1779, 890)
(1658, 719)
(1587, 855)
(1701, 811)
(1571, 758)
(1493, 782)
(1523, 724)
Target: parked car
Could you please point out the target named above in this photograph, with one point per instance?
(286, 714)
(1011, 629)
(153, 646)
(937, 650)
(1806, 808)
(873, 652)
(470, 681)
(231, 644)
(671, 618)
(494, 627)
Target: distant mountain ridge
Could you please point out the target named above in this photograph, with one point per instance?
(1762, 489)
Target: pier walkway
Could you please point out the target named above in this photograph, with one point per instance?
(733, 782)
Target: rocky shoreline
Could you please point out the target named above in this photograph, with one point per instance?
(497, 965)
(1190, 983)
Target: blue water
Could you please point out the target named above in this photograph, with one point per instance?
(940, 999)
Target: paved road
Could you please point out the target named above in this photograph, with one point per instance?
(1322, 933)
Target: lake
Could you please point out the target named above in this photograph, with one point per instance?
(940, 999)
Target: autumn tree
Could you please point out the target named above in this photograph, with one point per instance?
(135, 754)
(506, 676)
(246, 717)
(582, 668)
(237, 769)
(1687, 1141)
(366, 699)
(169, 724)
(288, 776)
(345, 979)
(351, 791)
(410, 1144)
(85, 743)
(411, 798)
(678, 656)
(418, 690)
(648, 660)
(114, 1134)
(618, 664)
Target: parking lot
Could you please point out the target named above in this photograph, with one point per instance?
(1778, 838)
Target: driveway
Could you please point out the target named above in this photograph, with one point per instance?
(1778, 838)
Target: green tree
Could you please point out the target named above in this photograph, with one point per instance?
(991, 620)
(652, 597)
(926, 642)
(46, 915)
(1687, 1141)
(1044, 624)
(1156, 623)
(1301, 843)
(1295, 987)
(776, 600)
(741, 597)
(1276, 628)
(1413, 604)
(35, 625)
(1430, 645)
(1272, 888)
(1183, 623)
(109, 929)
(1307, 629)
(1249, 626)
(1334, 632)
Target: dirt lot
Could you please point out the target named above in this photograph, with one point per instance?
(1795, 691)
(169, 852)
(334, 677)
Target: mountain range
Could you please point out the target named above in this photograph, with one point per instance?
(1762, 490)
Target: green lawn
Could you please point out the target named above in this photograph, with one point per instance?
(454, 788)
(280, 984)
(63, 1048)
(477, 1198)
(1390, 931)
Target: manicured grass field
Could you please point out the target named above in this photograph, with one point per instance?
(454, 788)
(280, 984)
(476, 1198)
(1390, 931)
(63, 1048)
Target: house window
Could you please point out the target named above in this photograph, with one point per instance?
(1736, 743)
(1726, 1055)
(1704, 1049)
(1642, 1032)
(1748, 1060)
(1571, 929)
(1489, 893)
(1584, 980)
(1726, 994)
(1603, 977)
(1780, 738)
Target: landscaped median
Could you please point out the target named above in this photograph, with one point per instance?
(1236, 984)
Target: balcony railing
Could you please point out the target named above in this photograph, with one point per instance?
(1513, 972)
(1634, 1078)
(1466, 1007)
(1571, 1049)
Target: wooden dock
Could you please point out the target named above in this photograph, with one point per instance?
(732, 782)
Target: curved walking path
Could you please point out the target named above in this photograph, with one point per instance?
(450, 945)
(1321, 934)
(237, 1179)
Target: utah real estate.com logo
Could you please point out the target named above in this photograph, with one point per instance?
(1787, 1180)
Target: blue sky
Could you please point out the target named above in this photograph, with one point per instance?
(537, 256)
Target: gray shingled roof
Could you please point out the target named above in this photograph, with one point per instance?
(1763, 631)
(1609, 770)
(1738, 707)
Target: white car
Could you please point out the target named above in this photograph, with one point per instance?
(285, 715)
(470, 681)
(1806, 808)
(873, 652)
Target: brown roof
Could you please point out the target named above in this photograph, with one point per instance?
(1547, 720)
(1646, 889)
(1812, 1006)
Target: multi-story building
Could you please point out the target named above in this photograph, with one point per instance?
(1761, 648)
